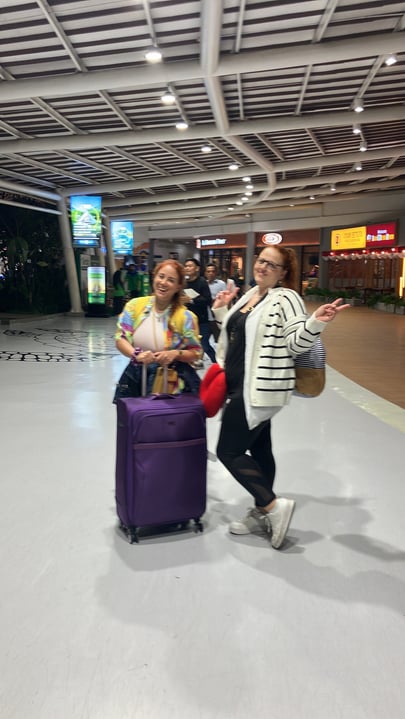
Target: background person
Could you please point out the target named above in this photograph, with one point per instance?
(200, 304)
(260, 336)
(158, 330)
(118, 292)
(215, 285)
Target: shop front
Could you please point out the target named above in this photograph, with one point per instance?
(229, 253)
(366, 262)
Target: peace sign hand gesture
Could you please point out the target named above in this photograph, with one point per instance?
(328, 312)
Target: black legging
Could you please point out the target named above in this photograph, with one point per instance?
(254, 471)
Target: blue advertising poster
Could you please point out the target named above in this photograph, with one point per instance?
(85, 213)
(122, 237)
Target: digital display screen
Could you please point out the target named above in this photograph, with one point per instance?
(85, 215)
(122, 237)
(96, 285)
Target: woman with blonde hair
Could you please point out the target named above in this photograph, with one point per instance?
(159, 330)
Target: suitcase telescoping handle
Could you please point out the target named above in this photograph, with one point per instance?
(144, 380)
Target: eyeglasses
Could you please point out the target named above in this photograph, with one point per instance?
(267, 264)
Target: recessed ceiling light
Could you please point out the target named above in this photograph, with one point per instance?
(391, 60)
(244, 198)
(239, 202)
(249, 187)
(246, 179)
(248, 194)
(230, 208)
(312, 197)
(181, 125)
(233, 166)
(168, 98)
(153, 54)
(206, 148)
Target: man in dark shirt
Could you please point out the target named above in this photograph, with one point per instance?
(200, 304)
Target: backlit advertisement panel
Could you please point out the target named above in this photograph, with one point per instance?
(350, 238)
(122, 237)
(381, 235)
(96, 285)
(85, 215)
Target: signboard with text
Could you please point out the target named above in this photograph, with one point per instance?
(351, 238)
(381, 235)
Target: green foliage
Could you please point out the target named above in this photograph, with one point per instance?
(34, 278)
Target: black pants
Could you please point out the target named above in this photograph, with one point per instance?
(254, 471)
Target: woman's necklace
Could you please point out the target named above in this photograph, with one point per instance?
(251, 304)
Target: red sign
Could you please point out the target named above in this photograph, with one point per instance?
(381, 235)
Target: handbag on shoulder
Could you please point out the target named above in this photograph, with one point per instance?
(310, 371)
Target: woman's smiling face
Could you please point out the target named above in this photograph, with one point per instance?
(165, 284)
(268, 269)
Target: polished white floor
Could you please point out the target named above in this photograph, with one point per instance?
(193, 626)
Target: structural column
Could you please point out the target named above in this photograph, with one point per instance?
(250, 252)
(71, 273)
(109, 248)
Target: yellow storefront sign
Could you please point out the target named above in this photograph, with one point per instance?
(350, 238)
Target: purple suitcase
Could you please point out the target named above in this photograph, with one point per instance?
(161, 462)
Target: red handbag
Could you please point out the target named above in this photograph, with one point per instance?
(213, 389)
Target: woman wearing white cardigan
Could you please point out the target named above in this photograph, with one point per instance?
(260, 336)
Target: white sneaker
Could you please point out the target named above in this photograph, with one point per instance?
(278, 520)
(253, 522)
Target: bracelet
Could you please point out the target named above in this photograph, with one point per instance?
(135, 354)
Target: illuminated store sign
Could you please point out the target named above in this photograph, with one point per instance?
(370, 236)
(272, 238)
(85, 214)
(381, 235)
(209, 243)
(348, 239)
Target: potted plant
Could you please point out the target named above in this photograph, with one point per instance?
(372, 300)
(354, 298)
(400, 306)
(389, 302)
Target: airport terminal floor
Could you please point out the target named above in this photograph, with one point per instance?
(185, 625)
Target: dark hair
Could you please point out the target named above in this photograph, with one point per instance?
(193, 259)
(177, 300)
(211, 264)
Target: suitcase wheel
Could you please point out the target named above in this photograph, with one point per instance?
(198, 525)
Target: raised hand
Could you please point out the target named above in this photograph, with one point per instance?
(328, 312)
(224, 297)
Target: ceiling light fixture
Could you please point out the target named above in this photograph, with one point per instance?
(363, 145)
(181, 125)
(233, 166)
(244, 198)
(230, 208)
(356, 129)
(168, 98)
(248, 194)
(246, 179)
(249, 187)
(358, 104)
(333, 188)
(391, 60)
(358, 166)
(206, 148)
(239, 202)
(153, 54)
(312, 197)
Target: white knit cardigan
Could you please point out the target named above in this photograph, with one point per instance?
(277, 330)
